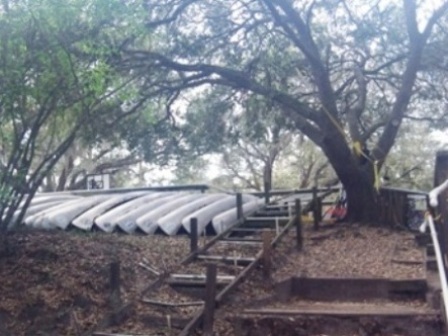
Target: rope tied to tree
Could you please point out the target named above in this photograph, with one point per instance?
(358, 150)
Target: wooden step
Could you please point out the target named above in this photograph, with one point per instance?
(265, 219)
(240, 261)
(340, 310)
(272, 214)
(276, 206)
(252, 230)
(350, 289)
(197, 280)
(431, 263)
(242, 239)
(236, 242)
(430, 250)
(423, 239)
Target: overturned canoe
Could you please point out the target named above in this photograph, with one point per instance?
(148, 222)
(37, 219)
(127, 222)
(86, 220)
(226, 219)
(206, 214)
(61, 218)
(34, 209)
(108, 221)
(172, 222)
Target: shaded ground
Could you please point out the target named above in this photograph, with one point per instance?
(335, 251)
(57, 283)
(352, 251)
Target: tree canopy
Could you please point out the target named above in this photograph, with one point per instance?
(168, 81)
(346, 74)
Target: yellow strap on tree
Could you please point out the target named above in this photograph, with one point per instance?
(376, 173)
(357, 148)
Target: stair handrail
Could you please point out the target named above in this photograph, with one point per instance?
(434, 194)
(429, 221)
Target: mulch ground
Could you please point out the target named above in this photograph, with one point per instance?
(337, 250)
(57, 283)
(340, 250)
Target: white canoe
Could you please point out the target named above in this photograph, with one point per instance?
(61, 218)
(107, 222)
(206, 214)
(53, 198)
(224, 220)
(36, 219)
(47, 200)
(34, 209)
(86, 220)
(172, 222)
(127, 222)
(148, 222)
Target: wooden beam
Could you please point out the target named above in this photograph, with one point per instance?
(173, 304)
(114, 282)
(239, 206)
(210, 303)
(228, 259)
(298, 221)
(194, 235)
(347, 312)
(267, 255)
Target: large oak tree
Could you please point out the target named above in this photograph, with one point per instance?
(346, 73)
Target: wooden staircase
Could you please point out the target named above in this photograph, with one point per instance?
(176, 303)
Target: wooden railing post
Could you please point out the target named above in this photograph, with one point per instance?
(115, 283)
(266, 193)
(298, 219)
(317, 213)
(239, 206)
(266, 256)
(210, 293)
(194, 235)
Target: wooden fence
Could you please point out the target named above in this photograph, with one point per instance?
(394, 207)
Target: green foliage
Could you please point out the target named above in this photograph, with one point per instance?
(57, 83)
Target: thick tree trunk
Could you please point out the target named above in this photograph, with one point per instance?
(362, 197)
(357, 178)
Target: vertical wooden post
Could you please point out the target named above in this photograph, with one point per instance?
(298, 219)
(193, 235)
(266, 256)
(266, 193)
(114, 281)
(317, 213)
(210, 294)
(405, 209)
(239, 206)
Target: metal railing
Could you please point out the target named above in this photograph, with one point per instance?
(429, 222)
